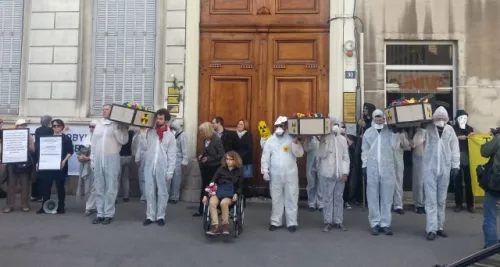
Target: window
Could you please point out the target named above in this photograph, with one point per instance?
(421, 69)
(11, 37)
(124, 52)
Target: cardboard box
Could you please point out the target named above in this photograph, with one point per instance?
(408, 114)
(309, 126)
(124, 114)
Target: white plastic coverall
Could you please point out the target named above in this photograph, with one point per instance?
(314, 199)
(181, 158)
(417, 175)
(402, 144)
(106, 144)
(138, 138)
(440, 156)
(333, 164)
(159, 164)
(377, 155)
(279, 161)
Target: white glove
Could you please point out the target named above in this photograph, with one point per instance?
(266, 177)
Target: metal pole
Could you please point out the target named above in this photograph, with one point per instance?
(362, 67)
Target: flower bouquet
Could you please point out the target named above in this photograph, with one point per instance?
(211, 190)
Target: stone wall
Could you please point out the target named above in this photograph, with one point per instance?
(53, 57)
(472, 25)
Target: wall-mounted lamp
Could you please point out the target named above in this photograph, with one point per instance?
(349, 47)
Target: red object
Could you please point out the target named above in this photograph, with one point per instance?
(160, 131)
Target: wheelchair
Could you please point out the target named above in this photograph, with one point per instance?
(236, 216)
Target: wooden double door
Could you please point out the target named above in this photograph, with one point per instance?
(261, 71)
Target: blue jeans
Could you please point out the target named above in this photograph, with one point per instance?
(490, 220)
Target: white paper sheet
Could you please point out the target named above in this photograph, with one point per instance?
(50, 153)
(15, 146)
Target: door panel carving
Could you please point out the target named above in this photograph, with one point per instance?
(297, 6)
(231, 7)
(228, 98)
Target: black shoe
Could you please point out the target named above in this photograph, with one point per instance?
(458, 208)
(442, 233)
(147, 222)
(386, 230)
(98, 220)
(173, 202)
(40, 211)
(419, 210)
(431, 236)
(340, 226)
(116, 201)
(399, 211)
(273, 227)
(126, 199)
(320, 209)
(160, 222)
(61, 211)
(292, 229)
(471, 209)
(375, 230)
(107, 220)
(312, 209)
(197, 214)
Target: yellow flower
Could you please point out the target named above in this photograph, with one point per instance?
(286, 148)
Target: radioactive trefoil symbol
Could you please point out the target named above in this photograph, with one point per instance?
(144, 119)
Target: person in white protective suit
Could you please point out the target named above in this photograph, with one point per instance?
(402, 145)
(418, 145)
(159, 151)
(106, 144)
(140, 135)
(333, 170)
(377, 156)
(314, 199)
(181, 160)
(279, 166)
(441, 157)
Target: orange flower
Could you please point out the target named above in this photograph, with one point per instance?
(286, 148)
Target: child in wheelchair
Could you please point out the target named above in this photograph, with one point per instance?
(229, 180)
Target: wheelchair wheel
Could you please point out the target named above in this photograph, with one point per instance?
(206, 219)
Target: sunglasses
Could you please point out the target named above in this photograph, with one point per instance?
(91, 127)
(56, 126)
(278, 126)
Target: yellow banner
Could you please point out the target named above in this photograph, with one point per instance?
(475, 159)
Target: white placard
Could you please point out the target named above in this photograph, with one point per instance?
(15, 146)
(50, 153)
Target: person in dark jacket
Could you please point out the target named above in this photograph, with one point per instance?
(44, 130)
(229, 138)
(364, 124)
(245, 148)
(491, 150)
(47, 177)
(126, 167)
(209, 160)
(350, 187)
(229, 181)
(463, 130)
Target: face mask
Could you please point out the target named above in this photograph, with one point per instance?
(378, 126)
(462, 121)
(335, 128)
(439, 123)
(279, 131)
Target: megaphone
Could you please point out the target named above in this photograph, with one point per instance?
(50, 206)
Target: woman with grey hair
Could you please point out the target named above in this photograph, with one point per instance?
(43, 130)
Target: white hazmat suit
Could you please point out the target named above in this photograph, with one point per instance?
(106, 144)
(314, 199)
(377, 156)
(333, 165)
(402, 144)
(279, 165)
(441, 155)
(181, 159)
(138, 138)
(158, 159)
(417, 175)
